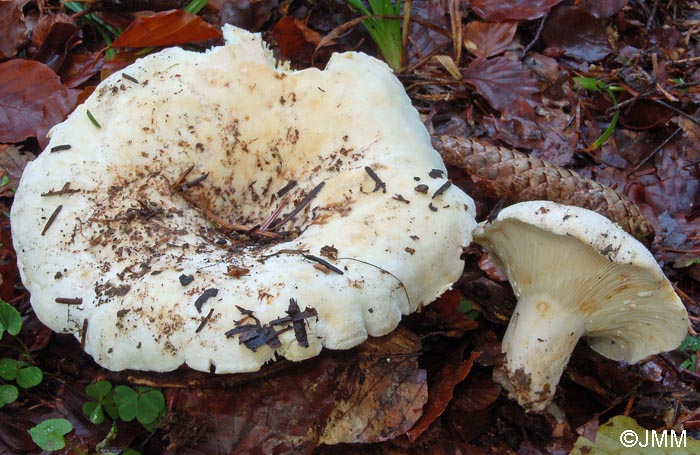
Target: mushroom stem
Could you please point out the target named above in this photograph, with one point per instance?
(538, 344)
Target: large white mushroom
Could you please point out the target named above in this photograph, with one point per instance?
(212, 209)
(575, 274)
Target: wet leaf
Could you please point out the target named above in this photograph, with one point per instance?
(486, 39)
(602, 8)
(13, 28)
(512, 10)
(248, 14)
(577, 33)
(49, 434)
(10, 319)
(645, 114)
(452, 373)
(32, 100)
(52, 38)
(166, 28)
(501, 81)
(295, 40)
(371, 393)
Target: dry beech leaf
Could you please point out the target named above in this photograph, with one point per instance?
(517, 177)
(32, 100)
(382, 396)
(166, 29)
(368, 394)
(449, 64)
(579, 34)
(512, 10)
(501, 81)
(486, 39)
(454, 371)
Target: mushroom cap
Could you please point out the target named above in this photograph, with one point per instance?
(249, 132)
(597, 271)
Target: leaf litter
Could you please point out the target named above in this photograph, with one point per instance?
(426, 388)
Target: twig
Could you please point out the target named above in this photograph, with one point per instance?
(536, 37)
(662, 145)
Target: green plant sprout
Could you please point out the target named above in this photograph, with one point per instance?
(106, 31)
(691, 345)
(466, 307)
(50, 434)
(595, 85)
(386, 33)
(19, 371)
(145, 404)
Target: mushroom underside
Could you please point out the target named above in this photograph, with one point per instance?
(566, 290)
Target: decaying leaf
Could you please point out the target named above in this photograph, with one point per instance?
(32, 100)
(12, 163)
(512, 175)
(296, 41)
(501, 81)
(452, 373)
(369, 394)
(382, 397)
(602, 8)
(577, 33)
(13, 29)
(486, 39)
(166, 29)
(512, 10)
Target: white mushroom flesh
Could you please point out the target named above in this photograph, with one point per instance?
(115, 249)
(576, 274)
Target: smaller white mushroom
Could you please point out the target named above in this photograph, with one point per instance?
(575, 274)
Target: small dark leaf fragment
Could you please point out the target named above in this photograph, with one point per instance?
(400, 198)
(378, 183)
(422, 188)
(442, 189)
(436, 173)
(186, 279)
(432, 207)
(211, 292)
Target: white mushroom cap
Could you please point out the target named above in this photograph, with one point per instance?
(575, 273)
(250, 131)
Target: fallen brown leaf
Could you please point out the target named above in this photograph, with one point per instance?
(501, 81)
(32, 100)
(452, 373)
(372, 393)
(13, 28)
(486, 39)
(512, 10)
(166, 28)
(577, 32)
